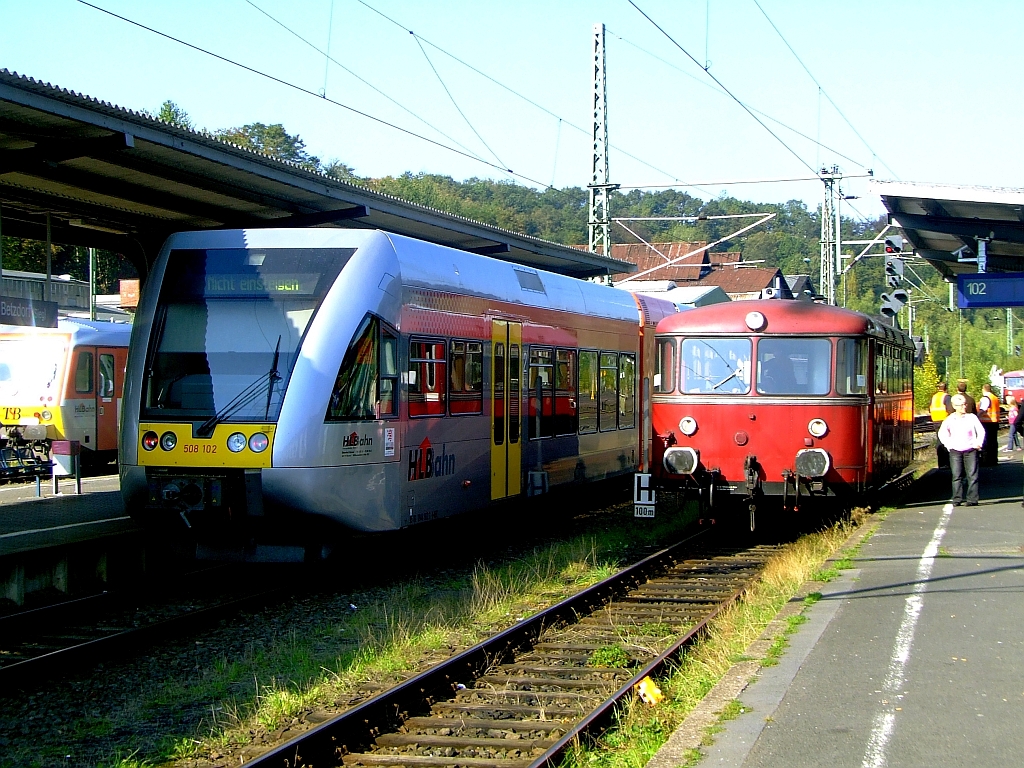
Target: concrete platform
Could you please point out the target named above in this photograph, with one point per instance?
(916, 658)
(28, 523)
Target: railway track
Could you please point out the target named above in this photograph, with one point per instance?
(522, 697)
(40, 644)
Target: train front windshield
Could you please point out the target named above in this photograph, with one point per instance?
(228, 328)
(31, 367)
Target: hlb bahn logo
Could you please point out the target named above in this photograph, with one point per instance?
(354, 440)
(423, 462)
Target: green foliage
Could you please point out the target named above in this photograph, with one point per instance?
(175, 115)
(271, 140)
(613, 656)
(926, 376)
(30, 256)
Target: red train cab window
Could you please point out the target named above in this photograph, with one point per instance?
(794, 366)
(466, 378)
(851, 366)
(665, 366)
(427, 377)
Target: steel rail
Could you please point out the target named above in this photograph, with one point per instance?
(357, 728)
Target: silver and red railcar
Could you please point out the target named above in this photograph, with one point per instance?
(783, 399)
(286, 385)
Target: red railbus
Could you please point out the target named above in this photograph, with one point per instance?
(780, 401)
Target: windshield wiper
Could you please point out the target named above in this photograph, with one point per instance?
(245, 397)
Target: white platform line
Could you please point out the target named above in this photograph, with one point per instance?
(885, 721)
(64, 527)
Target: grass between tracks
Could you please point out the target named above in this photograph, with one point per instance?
(641, 730)
(343, 655)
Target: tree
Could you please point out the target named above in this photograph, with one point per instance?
(926, 376)
(171, 113)
(272, 140)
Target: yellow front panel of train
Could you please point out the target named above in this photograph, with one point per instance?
(232, 445)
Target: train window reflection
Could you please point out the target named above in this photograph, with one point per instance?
(388, 374)
(106, 376)
(715, 366)
(426, 378)
(465, 385)
(794, 366)
(627, 391)
(587, 400)
(355, 389)
(607, 418)
(851, 366)
(83, 372)
(541, 404)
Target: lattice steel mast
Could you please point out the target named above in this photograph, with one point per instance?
(830, 234)
(600, 218)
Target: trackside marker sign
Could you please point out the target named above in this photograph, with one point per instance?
(643, 495)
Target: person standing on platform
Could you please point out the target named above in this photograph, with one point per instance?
(1012, 412)
(988, 415)
(963, 436)
(940, 408)
(961, 389)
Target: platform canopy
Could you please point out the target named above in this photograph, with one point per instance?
(944, 222)
(116, 179)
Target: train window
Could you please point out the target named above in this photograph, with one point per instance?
(83, 372)
(388, 374)
(426, 378)
(609, 391)
(499, 393)
(229, 324)
(715, 366)
(466, 378)
(106, 376)
(587, 400)
(795, 366)
(355, 389)
(513, 394)
(627, 391)
(565, 392)
(664, 366)
(540, 413)
(851, 366)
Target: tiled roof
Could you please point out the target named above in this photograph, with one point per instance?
(734, 280)
(645, 258)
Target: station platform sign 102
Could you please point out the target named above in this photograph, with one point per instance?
(990, 289)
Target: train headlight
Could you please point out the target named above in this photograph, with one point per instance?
(817, 427)
(168, 440)
(150, 441)
(47, 415)
(681, 461)
(812, 462)
(688, 425)
(756, 321)
(236, 442)
(258, 442)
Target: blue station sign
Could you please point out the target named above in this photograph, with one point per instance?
(988, 289)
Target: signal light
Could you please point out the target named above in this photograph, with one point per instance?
(893, 272)
(150, 440)
(894, 244)
(893, 302)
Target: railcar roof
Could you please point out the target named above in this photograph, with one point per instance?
(82, 331)
(783, 316)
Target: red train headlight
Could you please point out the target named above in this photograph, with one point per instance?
(688, 425)
(150, 440)
(813, 462)
(817, 427)
(681, 461)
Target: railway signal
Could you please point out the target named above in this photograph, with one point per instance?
(893, 302)
(894, 244)
(893, 271)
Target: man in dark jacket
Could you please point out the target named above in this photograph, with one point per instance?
(961, 389)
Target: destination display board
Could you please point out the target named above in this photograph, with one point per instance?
(990, 289)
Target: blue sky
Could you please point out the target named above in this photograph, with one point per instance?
(927, 86)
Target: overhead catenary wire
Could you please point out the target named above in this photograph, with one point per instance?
(721, 92)
(364, 81)
(517, 94)
(822, 90)
(722, 86)
(452, 98)
(308, 92)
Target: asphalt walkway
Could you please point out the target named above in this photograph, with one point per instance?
(915, 658)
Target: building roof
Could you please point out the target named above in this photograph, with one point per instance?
(746, 280)
(646, 258)
(117, 179)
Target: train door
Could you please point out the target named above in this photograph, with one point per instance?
(506, 424)
(106, 399)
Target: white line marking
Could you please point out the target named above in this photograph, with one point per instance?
(65, 527)
(885, 721)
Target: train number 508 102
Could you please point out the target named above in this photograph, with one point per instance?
(193, 448)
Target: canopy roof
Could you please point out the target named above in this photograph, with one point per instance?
(117, 179)
(942, 220)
